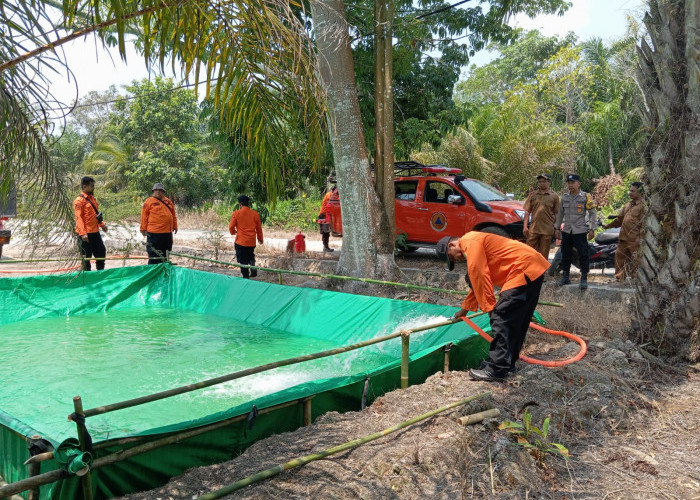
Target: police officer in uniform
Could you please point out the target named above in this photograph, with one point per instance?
(572, 212)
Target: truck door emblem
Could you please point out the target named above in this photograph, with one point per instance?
(438, 221)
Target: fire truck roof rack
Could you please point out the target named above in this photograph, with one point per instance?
(408, 168)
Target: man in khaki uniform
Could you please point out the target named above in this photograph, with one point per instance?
(543, 206)
(630, 221)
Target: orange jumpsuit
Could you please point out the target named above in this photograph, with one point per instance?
(86, 215)
(518, 269)
(158, 216)
(159, 221)
(86, 225)
(495, 260)
(325, 227)
(245, 224)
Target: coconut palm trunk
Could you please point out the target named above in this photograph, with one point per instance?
(669, 271)
(368, 248)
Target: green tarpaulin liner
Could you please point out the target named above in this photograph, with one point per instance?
(114, 335)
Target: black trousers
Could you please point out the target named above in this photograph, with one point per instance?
(568, 242)
(510, 320)
(325, 230)
(246, 256)
(158, 245)
(93, 247)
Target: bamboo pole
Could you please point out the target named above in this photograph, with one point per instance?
(446, 357)
(298, 462)
(34, 469)
(405, 346)
(85, 479)
(250, 371)
(41, 457)
(475, 418)
(408, 286)
(29, 261)
(13, 497)
(58, 474)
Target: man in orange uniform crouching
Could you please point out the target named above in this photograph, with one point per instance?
(245, 224)
(158, 223)
(518, 269)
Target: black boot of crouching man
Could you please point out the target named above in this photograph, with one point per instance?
(583, 285)
(485, 374)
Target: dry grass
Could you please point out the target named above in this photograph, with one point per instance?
(201, 219)
(585, 313)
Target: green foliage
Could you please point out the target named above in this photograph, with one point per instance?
(519, 64)
(164, 142)
(535, 439)
(120, 206)
(68, 151)
(297, 214)
(548, 104)
(459, 150)
(428, 53)
(401, 243)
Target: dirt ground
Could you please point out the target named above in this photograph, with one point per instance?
(629, 420)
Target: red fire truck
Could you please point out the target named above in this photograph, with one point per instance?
(433, 201)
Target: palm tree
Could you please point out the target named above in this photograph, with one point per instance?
(610, 129)
(254, 55)
(669, 275)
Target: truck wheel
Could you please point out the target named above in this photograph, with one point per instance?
(495, 230)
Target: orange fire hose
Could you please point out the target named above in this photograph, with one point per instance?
(39, 271)
(550, 364)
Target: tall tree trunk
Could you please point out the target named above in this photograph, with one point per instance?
(669, 274)
(611, 163)
(384, 107)
(368, 243)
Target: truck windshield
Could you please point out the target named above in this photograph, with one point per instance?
(482, 191)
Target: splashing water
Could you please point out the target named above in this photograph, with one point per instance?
(120, 355)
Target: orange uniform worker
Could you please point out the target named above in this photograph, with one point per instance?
(158, 223)
(325, 220)
(88, 222)
(245, 224)
(518, 269)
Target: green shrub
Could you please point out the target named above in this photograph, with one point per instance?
(120, 206)
(536, 440)
(297, 214)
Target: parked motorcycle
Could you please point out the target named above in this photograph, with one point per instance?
(601, 252)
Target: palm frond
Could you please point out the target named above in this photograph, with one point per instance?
(258, 62)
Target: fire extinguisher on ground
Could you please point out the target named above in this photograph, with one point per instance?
(300, 243)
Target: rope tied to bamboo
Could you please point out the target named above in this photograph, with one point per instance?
(80, 422)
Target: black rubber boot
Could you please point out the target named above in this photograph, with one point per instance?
(583, 285)
(564, 279)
